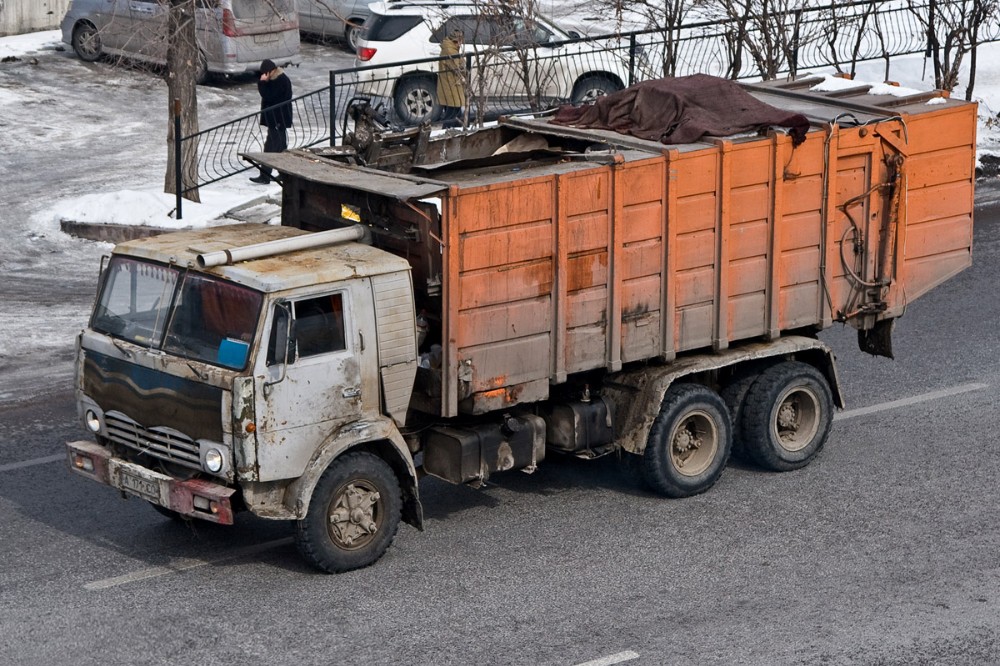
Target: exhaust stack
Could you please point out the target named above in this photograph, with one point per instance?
(271, 248)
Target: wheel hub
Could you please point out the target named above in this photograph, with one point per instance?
(797, 419)
(692, 447)
(354, 515)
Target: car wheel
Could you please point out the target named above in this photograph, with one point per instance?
(416, 100)
(87, 42)
(589, 88)
(201, 75)
(352, 35)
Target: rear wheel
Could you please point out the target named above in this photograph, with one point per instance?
(353, 515)
(592, 86)
(734, 395)
(689, 442)
(416, 100)
(87, 42)
(352, 34)
(787, 416)
(201, 75)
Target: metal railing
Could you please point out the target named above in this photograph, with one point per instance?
(533, 77)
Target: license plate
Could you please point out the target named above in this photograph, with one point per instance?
(139, 486)
(267, 38)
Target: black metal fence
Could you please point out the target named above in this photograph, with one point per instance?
(534, 77)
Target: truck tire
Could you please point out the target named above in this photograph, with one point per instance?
(353, 514)
(689, 442)
(734, 395)
(87, 42)
(787, 416)
(415, 100)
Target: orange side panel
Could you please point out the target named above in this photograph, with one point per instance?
(596, 266)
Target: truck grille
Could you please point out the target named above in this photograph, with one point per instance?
(165, 443)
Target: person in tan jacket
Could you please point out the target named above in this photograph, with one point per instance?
(451, 78)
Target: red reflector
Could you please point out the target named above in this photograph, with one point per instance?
(229, 24)
(365, 54)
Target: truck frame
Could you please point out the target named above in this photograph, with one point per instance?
(464, 303)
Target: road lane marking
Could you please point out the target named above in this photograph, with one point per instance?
(31, 463)
(619, 658)
(906, 402)
(183, 565)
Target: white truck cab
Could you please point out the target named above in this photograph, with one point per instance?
(207, 370)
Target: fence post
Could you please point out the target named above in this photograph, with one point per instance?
(333, 108)
(178, 175)
(793, 66)
(631, 58)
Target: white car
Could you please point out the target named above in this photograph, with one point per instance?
(513, 61)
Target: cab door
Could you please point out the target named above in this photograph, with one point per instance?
(325, 377)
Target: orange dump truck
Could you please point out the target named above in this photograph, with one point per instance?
(514, 290)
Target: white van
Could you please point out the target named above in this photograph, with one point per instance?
(233, 35)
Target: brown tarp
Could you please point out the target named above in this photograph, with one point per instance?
(682, 110)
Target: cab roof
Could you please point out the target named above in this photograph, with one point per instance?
(274, 273)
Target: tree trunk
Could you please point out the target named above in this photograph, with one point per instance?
(184, 65)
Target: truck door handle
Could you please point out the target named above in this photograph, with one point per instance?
(351, 392)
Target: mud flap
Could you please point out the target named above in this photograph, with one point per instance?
(877, 341)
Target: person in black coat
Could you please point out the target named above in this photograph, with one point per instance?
(275, 90)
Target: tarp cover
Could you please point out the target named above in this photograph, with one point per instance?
(682, 110)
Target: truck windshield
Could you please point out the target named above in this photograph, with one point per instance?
(192, 315)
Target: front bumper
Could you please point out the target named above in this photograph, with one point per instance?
(193, 498)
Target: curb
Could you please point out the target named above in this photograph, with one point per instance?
(118, 233)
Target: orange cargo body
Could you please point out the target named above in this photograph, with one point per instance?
(562, 265)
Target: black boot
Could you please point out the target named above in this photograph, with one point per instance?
(263, 178)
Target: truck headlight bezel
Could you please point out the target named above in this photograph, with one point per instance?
(214, 461)
(215, 457)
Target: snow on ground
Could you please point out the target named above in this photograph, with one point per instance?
(150, 207)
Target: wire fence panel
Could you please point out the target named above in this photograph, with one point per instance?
(219, 147)
(534, 77)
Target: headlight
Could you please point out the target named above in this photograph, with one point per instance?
(213, 460)
(93, 421)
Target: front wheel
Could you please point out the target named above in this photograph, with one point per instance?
(353, 514)
(787, 416)
(416, 100)
(87, 42)
(689, 442)
(592, 86)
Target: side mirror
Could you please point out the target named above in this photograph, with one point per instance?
(284, 330)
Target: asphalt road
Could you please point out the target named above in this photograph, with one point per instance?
(883, 551)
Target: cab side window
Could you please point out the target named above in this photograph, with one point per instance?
(319, 325)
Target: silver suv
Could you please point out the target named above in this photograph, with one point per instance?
(523, 61)
(233, 35)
